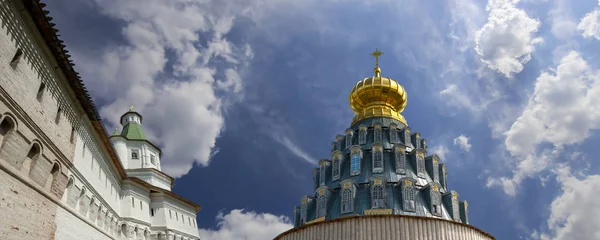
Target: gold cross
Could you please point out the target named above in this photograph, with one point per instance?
(376, 54)
(131, 108)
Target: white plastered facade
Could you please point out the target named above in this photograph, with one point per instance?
(60, 180)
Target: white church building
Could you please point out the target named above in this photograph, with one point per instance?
(62, 176)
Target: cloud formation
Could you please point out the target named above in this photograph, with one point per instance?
(462, 141)
(563, 109)
(574, 213)
(506, 41)
(590, 24)
(243, 225)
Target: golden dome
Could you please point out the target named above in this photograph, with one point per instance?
(378, 97)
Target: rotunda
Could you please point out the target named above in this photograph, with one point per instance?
(380, 182)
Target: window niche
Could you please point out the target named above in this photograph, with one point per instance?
(420, 163)
(356, 155)
(400, 158)
(377, 133)
(377, 152)
(362, 134)
(407, 137)
(378, 194)
(349, 135)
(16, 58)
(35, 150)
(348, 193)
(336, 165)
(134, 154)
(339, 140)
(393, 133)
(322, 197)
(435, 198)
(409, 197)
(40, 93)
(7, 127)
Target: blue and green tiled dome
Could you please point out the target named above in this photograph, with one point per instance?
(379, 167)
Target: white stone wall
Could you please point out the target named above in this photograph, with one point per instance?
(69, 189)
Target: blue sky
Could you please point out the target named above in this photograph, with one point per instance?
(244, 97)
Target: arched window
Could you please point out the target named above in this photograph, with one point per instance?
(436, 206)
(436, 170)
(303, 213)
(335, 168)
(124, 231)
(362, 135)
(377, 135)
(420, 165)
(355, 164)
(377, 160)
(347, 201)
(321, 206)
(409, 196)
(400, 160)
(393, 134)
(349, 135)
(58, 114)
(54, 172)
(377, 196)
(322, 173)
(407, 137)
(6, 128)
(40, 92)
(33, 155)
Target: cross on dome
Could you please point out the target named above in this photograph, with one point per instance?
(377, 54)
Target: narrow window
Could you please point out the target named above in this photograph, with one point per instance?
(339, 145)
(377, 196)
(321, 206)
(152, 212)
(40, 92)
(141, 205)
(377, 160)
(348, 139)
(152, 159)
(93, 160)
(322, 173)
(189, 221)
(377, 134)
(347, 201)
(355, 162)
(176, 216)
(407, 137)
(336, 168)
(408, 193)
(134, 155)
(6, 128)
(436, 203)
(33, 155)
(54, 173)
(362, 135)
(170, 215)
(58, 113)
(132, 202)
(400, 161)
(16, 58)
(83, 151)
(420, 166)
(72, 139)
(303, 213)
(393, 135)
(436, 171)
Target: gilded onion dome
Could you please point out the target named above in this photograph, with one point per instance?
(377, 96)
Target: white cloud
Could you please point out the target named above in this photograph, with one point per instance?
(440, 151)
(463, 142)
(590, 24)
(244, 225)
(506, 41)
(574, 213)
(563, 25)
(563, 109)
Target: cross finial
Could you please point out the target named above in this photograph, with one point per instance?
(377, 54)
(131, 108)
